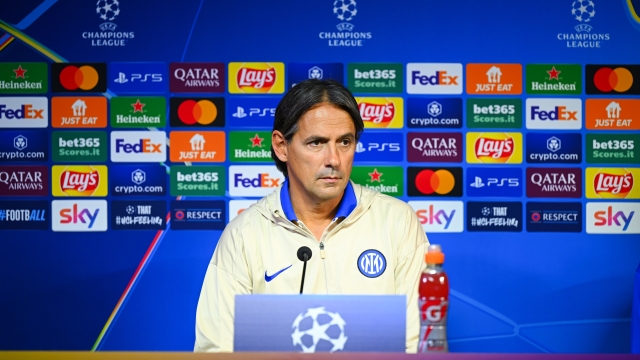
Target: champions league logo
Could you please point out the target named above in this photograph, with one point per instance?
(345, 11)
(108, 10)
(583, 11)
(319, 327)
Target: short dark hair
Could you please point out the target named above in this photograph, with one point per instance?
(301, 98)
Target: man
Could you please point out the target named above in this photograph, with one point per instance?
(315, 132)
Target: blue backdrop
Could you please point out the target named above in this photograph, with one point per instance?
(138, 290)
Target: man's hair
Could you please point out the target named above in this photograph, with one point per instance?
(301, 98)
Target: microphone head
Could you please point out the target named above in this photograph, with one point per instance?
(302, 251)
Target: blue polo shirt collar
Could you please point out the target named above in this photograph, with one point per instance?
(346, 206)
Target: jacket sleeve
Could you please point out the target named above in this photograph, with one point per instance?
(412, 248)
(227, 275)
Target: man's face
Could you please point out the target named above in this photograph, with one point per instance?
(320, 155)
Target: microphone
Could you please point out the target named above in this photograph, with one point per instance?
(304, 254)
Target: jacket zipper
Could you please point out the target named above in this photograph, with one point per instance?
(322, 253)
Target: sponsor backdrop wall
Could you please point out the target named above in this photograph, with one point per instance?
(132, 132)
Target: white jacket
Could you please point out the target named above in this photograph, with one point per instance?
(261, 240)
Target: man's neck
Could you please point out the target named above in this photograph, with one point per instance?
(311, 210)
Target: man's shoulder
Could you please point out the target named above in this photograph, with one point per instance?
(251, 216)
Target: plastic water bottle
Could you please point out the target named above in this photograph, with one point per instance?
(433, 303)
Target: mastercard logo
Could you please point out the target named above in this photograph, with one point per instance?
(613, 79)
(203, 112)
(618, 79)
(197, 112)
(79, 77)
(435, 181)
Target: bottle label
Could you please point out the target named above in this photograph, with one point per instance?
(433, 325)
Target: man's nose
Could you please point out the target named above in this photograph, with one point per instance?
(332, 157)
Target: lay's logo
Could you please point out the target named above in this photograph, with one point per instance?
(494, 148)
(256, 78)
(86, 180)
(381, 112)
(612, 183)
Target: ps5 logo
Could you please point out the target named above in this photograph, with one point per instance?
(495, 182)
(122, 78)
(260, 112)
(360, 148)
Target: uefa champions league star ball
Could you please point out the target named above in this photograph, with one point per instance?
(345, 10)
(583, 10)
(108, 9)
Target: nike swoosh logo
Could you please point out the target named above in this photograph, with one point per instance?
(269, 278)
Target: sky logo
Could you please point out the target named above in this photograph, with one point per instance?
(613, 218)
(554, 114)
(434, 78)
(494, 182)
(554, 148)
(299, 72)
(138, 77)
(380, 146)
(439, 216)
(79, 215)
(138, 146)
(251, 112)
(24, 112)
(253, 181)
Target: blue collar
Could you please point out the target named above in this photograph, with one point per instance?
(346, 206)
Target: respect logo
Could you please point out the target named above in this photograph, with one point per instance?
(612, 183)
(24, 78)
(613, 149)
(494, 148)
(24, 112)
(79, 77)
(197, 112)
(613, 114)
(256, 78)
(78, 180)
(198, 180)
(79, 112)
(79, 146)
(498, 79)
(381, 112)
(197, 146)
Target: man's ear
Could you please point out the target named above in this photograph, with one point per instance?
(279, 144)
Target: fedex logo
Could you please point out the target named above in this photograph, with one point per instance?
(138, 146)
(554, 114)
(24, 112)
(254, 180)
(439, 216)
(440, 78)
(79, 215)
(613, 218)
(428, 78)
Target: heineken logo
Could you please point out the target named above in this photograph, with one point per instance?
(138, 111)
(384, 179)
(250, 146)
(554, 79)
(23, 78)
